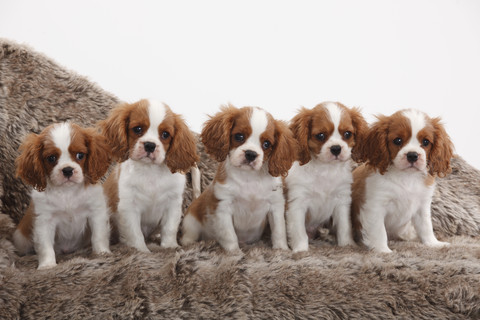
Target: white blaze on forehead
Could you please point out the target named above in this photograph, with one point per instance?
(335, 113)
(62, 136)
(259, 122)
(156, 114)
(417, 121)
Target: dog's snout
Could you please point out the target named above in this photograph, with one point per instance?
(412, 157)
(250, 155)
(149, 146)
(335, 150)
(67, 172)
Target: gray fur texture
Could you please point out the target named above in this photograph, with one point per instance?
(202, 281)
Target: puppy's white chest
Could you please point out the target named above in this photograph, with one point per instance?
(148, 182)
(250, 202)
(148, 190)
(64, 204)
(407, 195)
(321, 188)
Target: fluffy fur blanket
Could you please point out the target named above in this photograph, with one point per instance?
(202, 281)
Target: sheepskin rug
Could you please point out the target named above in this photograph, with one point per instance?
(202, 281)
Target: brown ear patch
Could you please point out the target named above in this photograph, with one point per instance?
(442, 151)
(216, 131)
(29, 164)
(300, 127)
(374, 150)
(99, 155)
(182, 151)
(118, 125)
(284, 150)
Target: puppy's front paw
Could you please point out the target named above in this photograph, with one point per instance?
(141, 247)
(169, 245)
(146, 250)
(105, 251)
(437, 244)
(280, 246)
(346, 242)
(101, 248)
(231, 247)
(383, 250)
(300, 247)
(46, 265)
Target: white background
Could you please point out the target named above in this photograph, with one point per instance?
(279, 55)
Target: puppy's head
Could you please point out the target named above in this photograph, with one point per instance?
(329, 132)
(149, 132)
(408, 140)
(61, 155)
(251, 139)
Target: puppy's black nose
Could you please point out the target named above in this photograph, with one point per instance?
(149, 146)
(67, 172)
(250, 155)
(412, 157)
(335, 150)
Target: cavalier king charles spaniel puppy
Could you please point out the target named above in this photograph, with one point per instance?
(155, 148)
(318, 186)
(254, 151)
(68, 209)
(393, 189)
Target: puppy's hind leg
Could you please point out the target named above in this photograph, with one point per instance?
(22, 244)
(191, 230)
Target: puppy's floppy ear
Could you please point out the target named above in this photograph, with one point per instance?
(115, 130)
(29, 165)
(442, 151)
(182, 153)
(216, 131)
(284, 151)
(98, 157)
(300, 127)
(374, 149)
(361, 131)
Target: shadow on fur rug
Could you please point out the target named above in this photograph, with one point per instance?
(201, 281)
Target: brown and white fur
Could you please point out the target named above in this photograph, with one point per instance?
(155, 148)
(68, 208)
(393, 190)
(318, 185)
(255, 151)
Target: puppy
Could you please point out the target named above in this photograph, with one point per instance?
(145, 190)
(68, 208)
(318, 186)
(404, 153)
(254, 151)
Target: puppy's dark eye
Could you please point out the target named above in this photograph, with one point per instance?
(398, 141)
(137, 130)
(165, 135)
(320, 136)
(347, 135)
(79, 156)
(266, 144)
(239, 137)
(52, 159)
(425, 142)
